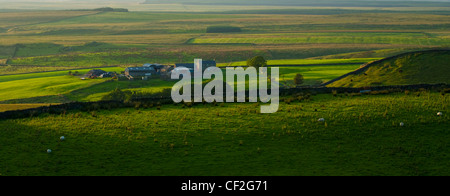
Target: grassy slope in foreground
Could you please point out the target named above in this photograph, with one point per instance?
(10, 107)
(361, 136)
(425, 67)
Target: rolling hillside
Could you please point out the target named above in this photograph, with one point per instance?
(424, 67)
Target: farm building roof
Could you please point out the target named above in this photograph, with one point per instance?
(155, 65)
(140, 69)
(95, 73)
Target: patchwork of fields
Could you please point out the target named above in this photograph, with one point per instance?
(22, 88)
(361, 134)
(50, 42)
(419, 39)
(86, 39)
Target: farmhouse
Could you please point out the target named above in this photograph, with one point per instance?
(151, 70)
(160, 69)
(139, 72)
(95, 73)
(107, 75)
(151, 65)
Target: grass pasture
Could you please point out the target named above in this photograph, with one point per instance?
(31, 85)
(314, 71)
(305, 62)
(315, 75)
(97, 91)
(7, 52)
(13, 70)
(423, 67)
(14, 20)
(23, 87)
(399, 38)
(37, 87)
(222, 54)
(361, 136)
(94, 39)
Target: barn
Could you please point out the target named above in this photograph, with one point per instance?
(139, 72)
(97, 73)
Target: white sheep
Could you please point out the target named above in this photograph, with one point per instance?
(62, 138)
(49, 151)
(439, 113)
(321, 119)
(402, 124)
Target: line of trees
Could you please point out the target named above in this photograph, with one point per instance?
(76, 73)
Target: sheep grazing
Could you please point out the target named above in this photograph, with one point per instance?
(439, 113)
(402, 124)
(321, 119)
(62, 138)
(49, 151)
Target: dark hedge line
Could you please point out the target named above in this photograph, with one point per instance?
(223, 29)
(143, 102)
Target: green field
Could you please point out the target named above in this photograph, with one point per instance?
(23, 88)
(418, 39)
(315, 75)
(44, 84)
(361, 136)
(306, 62)
(426, 67)
(93, 39)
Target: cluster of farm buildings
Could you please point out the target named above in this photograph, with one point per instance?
(149, 71)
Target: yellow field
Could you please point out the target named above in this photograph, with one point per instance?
(12, 107)
(93, 39)
(114, 39)
(74, 27)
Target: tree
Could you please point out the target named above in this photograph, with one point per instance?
(257, 62)
(118, 95)
(298, 79)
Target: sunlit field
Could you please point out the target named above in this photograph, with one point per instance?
(115, 126)
(23, 87)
